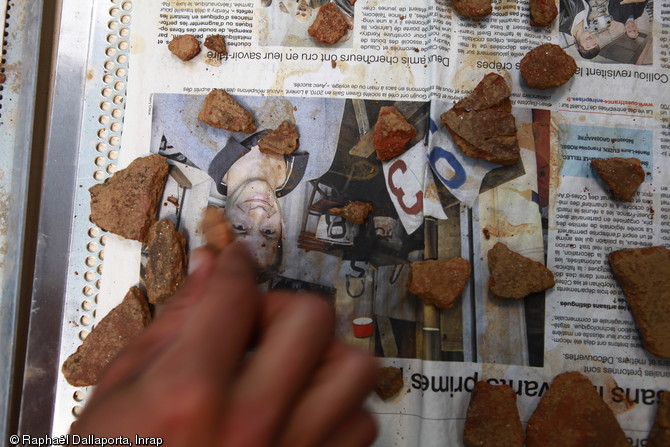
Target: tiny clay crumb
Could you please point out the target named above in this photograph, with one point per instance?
(173, 200)
(390, 382)
(355, 212)
(185, 47)
(216, 43)
(333, 63)
(3, 78)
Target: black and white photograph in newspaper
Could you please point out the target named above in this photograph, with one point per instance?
(608, 31)
(362, 269)
(297, 242)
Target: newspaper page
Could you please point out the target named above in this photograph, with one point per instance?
(431, 202)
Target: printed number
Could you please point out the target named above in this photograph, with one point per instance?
(336, 227)
(417, 207)
(458, 179)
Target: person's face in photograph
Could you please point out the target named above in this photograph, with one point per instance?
(588, 41)
(631, 29)
(253, 211)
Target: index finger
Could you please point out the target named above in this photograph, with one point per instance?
(218, 331)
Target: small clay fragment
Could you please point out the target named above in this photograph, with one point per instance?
(281, 141)
(355, 212)
(217, 231)
(493, 418)
(3, 78)
(185, 47)
(127, 203)
(547, 66)
(216, 43)
(572, 414)
(220, 110)
(439, 282)
(515, 276)
(623, 176)
(644, 275)
(390, 382)
(113, 333)
(472, 8)
(482, 125)
(352, 2)
(166, 263)
(660, 432)
(330, 24)
(391, 133)
(542, 12)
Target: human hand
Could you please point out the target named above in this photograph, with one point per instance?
(190, 379)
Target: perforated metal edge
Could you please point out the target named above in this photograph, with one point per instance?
(103, 112)
(75, 160)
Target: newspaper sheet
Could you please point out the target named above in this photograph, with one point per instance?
(432, 202)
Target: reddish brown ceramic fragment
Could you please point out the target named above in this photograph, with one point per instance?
(355, 212)
(113, 333)
(547, 66)
(330, 24)
(127, 203)
(391, 133)
(222, 111)
(185, 47)
(644, 275)
(166, 262)
(515, 276)
(572, 414)
(493, 419)
(623, 176)
(439, 282)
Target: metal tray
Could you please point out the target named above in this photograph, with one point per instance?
(84, 139)
(19, 37)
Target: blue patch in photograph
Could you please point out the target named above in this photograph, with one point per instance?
(578, 145)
